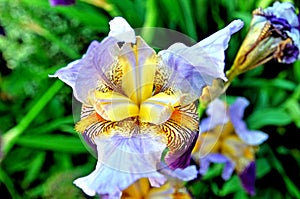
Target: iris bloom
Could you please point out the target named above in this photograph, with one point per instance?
(274, 34)
(224, 138)
(61, 2)
(137, 104)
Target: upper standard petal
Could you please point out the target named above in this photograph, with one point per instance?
(198, 65)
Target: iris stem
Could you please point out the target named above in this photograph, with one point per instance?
(10, 137)
(150, 21)
(189, 20)
(231, 74)
(201, 109)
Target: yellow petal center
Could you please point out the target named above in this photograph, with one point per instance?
(138, 64)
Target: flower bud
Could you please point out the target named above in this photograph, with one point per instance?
(274, 34)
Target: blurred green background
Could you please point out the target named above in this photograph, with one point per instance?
(43, 154)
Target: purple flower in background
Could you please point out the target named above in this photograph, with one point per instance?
(274, 34)
(61, 2)
(137, 103)
(224, 138)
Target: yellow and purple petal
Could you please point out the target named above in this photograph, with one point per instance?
(181, 131)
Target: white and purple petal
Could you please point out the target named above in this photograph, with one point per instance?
(216, 44)
(84, 75)
(122, 161)
(196, 66)
(284, 10)
(236, 112)
(69, 73)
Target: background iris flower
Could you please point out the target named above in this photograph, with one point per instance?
(224, 138)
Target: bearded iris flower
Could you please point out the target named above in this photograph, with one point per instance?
(136, 104)
(224, 138)
(274, 34)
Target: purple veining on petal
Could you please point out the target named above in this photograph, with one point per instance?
(61, 2)
(247, 178)
(181, 160)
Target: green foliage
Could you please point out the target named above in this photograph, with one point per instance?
(42, 154)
